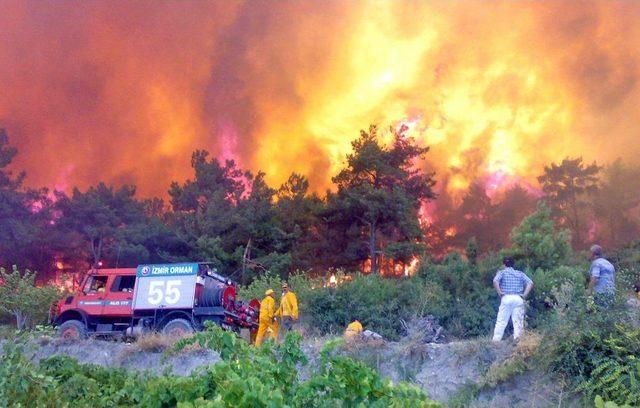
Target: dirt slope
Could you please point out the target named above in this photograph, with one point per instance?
(118, 354)
(442, 370)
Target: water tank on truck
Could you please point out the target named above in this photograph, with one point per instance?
(179, 298)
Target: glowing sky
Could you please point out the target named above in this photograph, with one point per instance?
(125, 91)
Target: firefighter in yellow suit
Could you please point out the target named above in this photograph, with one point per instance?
(288, 309)
(268, 327)
(353, 329)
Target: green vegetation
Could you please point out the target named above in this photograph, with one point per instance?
(598, 351)
(246, 377)
(20, 298)
(378, 205)
(378, 303)
(262, 236)
(456, 290)
(537, 244)
(301, 284)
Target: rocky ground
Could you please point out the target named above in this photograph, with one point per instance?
(124, 355)
(442, 370)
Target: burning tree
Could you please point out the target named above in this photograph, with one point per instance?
(379, 195)
(565, 186)
(109, 224)
(25, 230)
(224, 213)
(617, 204)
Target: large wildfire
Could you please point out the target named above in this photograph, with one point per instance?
(124, 92)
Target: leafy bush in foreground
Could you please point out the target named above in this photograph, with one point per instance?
(594, 349)
(246, 377)
(22, 299)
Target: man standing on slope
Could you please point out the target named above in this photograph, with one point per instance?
(267, 320)
(513, 287)
(288, 310)
(603, 278)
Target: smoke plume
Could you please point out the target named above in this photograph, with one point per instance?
(125, 91)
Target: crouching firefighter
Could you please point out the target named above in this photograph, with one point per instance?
(268, 327)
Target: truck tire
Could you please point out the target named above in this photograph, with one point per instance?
(177, 328)
(72, 330)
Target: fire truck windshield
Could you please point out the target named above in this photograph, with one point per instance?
(95, 284)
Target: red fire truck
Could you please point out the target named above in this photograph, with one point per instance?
(171, 298)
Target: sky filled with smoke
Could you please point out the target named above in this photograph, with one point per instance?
(125, 91)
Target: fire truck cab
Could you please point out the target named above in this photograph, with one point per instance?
(172, 298)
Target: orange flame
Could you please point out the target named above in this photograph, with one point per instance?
(410, 269)
(124, 93)
(450, 232)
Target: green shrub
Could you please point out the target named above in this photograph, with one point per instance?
(550, 287)
(503, 372)
(546, 281)
(342, 381)
(245, 377)
(300, 284)
(256, 289)
(615, 381)
(594, 349)
(468, 303)
(537, 243)
(598, 402)
(378, 303)
(22, 384)
(20, 298)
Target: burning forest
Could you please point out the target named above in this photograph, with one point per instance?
(320, 203)
(500, 107)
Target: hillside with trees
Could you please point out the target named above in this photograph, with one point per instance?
(366, 231)
(372, 220)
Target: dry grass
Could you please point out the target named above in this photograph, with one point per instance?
(516, 364)
(155, 342)
(528, 344)
(472, 349)
(359, 343)
(191, 348)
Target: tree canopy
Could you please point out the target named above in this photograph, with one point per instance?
(378, 215)
(380, 192)
(25, 216)
(536, 243)
(565, 186)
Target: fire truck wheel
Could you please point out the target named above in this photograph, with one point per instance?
(178, 328)
(72, 329)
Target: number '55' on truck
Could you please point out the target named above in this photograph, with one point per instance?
(174, 299)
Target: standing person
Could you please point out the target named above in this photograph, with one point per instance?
(603, 278)
(513, 287)
(288, 310)
(267, 326)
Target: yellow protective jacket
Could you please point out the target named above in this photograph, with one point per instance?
(354, 328)
(267, 309)
(289, 305)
